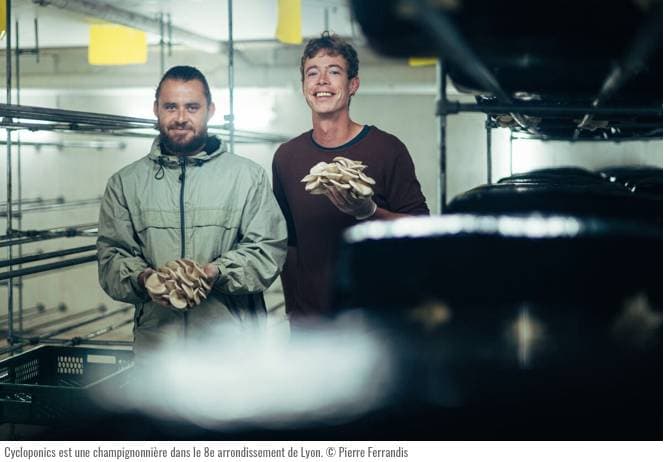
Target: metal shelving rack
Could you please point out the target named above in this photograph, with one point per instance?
(15, 117)
(451, 44)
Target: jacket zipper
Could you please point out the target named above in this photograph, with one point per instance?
(182, 178)
(183, 162)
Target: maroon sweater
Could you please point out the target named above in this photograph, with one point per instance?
(315, 225)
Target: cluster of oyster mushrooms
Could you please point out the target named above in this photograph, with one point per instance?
(182, 283)
(342, 174)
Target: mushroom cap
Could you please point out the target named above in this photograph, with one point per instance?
(196, 297)
(318, 168)
(177, 301)
(318, 191)
(313, 184)
(339, 185)
(188, 292)
(343, 161)
(172, 275)
(361, 188)
(332, 175)
(154, 285)
(366, 178)
(348, 172)
(197, 271)
(308, 178)
(202, 293)
(183, 278)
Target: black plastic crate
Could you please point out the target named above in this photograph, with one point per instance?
(52, 384)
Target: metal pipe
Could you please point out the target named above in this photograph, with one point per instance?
(48, 255)
(38, 201)
(170, 35)
(96, 145)
(453, 47)
(19, 175)
(231, 80)
(127, 18)
(100, 332)
(23, 342)
(32, 316)
(80, 122)
(646, 137)
(124, 309)
(51, 206)
(10, 222)
(441, 77)
(75, 127)
(511, 161)
(47, 267)
(74, 341)
(36, 23)
(80, 117)
(551, 111)
(162, 57)
(33, 310)
(61, 320)
(88, 229)
(488, 149)
(646, 41)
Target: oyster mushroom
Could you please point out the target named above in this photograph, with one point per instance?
(360, 188)
(154, 285)
(182, 283)
(338, 175)
(177, 300)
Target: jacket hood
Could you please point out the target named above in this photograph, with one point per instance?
(214, 147)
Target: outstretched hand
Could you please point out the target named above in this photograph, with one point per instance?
(359, 207)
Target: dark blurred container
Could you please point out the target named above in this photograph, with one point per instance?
(537, 327)
(641, 180)
(569, 191)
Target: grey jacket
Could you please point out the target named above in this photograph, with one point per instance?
(212, 207)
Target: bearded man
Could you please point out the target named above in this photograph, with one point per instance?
(189, 198)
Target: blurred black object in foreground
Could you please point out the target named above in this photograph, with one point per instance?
(519, 327)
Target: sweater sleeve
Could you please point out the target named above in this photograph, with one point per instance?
(118, 251)
(403, 190)
(260, 252)
(282, 200)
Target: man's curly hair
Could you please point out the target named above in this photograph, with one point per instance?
(335, 46)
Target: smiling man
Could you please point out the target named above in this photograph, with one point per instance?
(329, 72)
(189, 198)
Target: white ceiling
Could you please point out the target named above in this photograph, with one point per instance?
(252, 19)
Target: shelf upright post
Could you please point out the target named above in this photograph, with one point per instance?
(488, 149)
(230, 118)
(441, 112)
(162, 45)
(19, 178)
(511, 161)
(8, 62)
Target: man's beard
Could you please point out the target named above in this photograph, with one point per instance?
(183, 149)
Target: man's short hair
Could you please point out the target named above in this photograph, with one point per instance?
(335, 46)
(186, 74)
